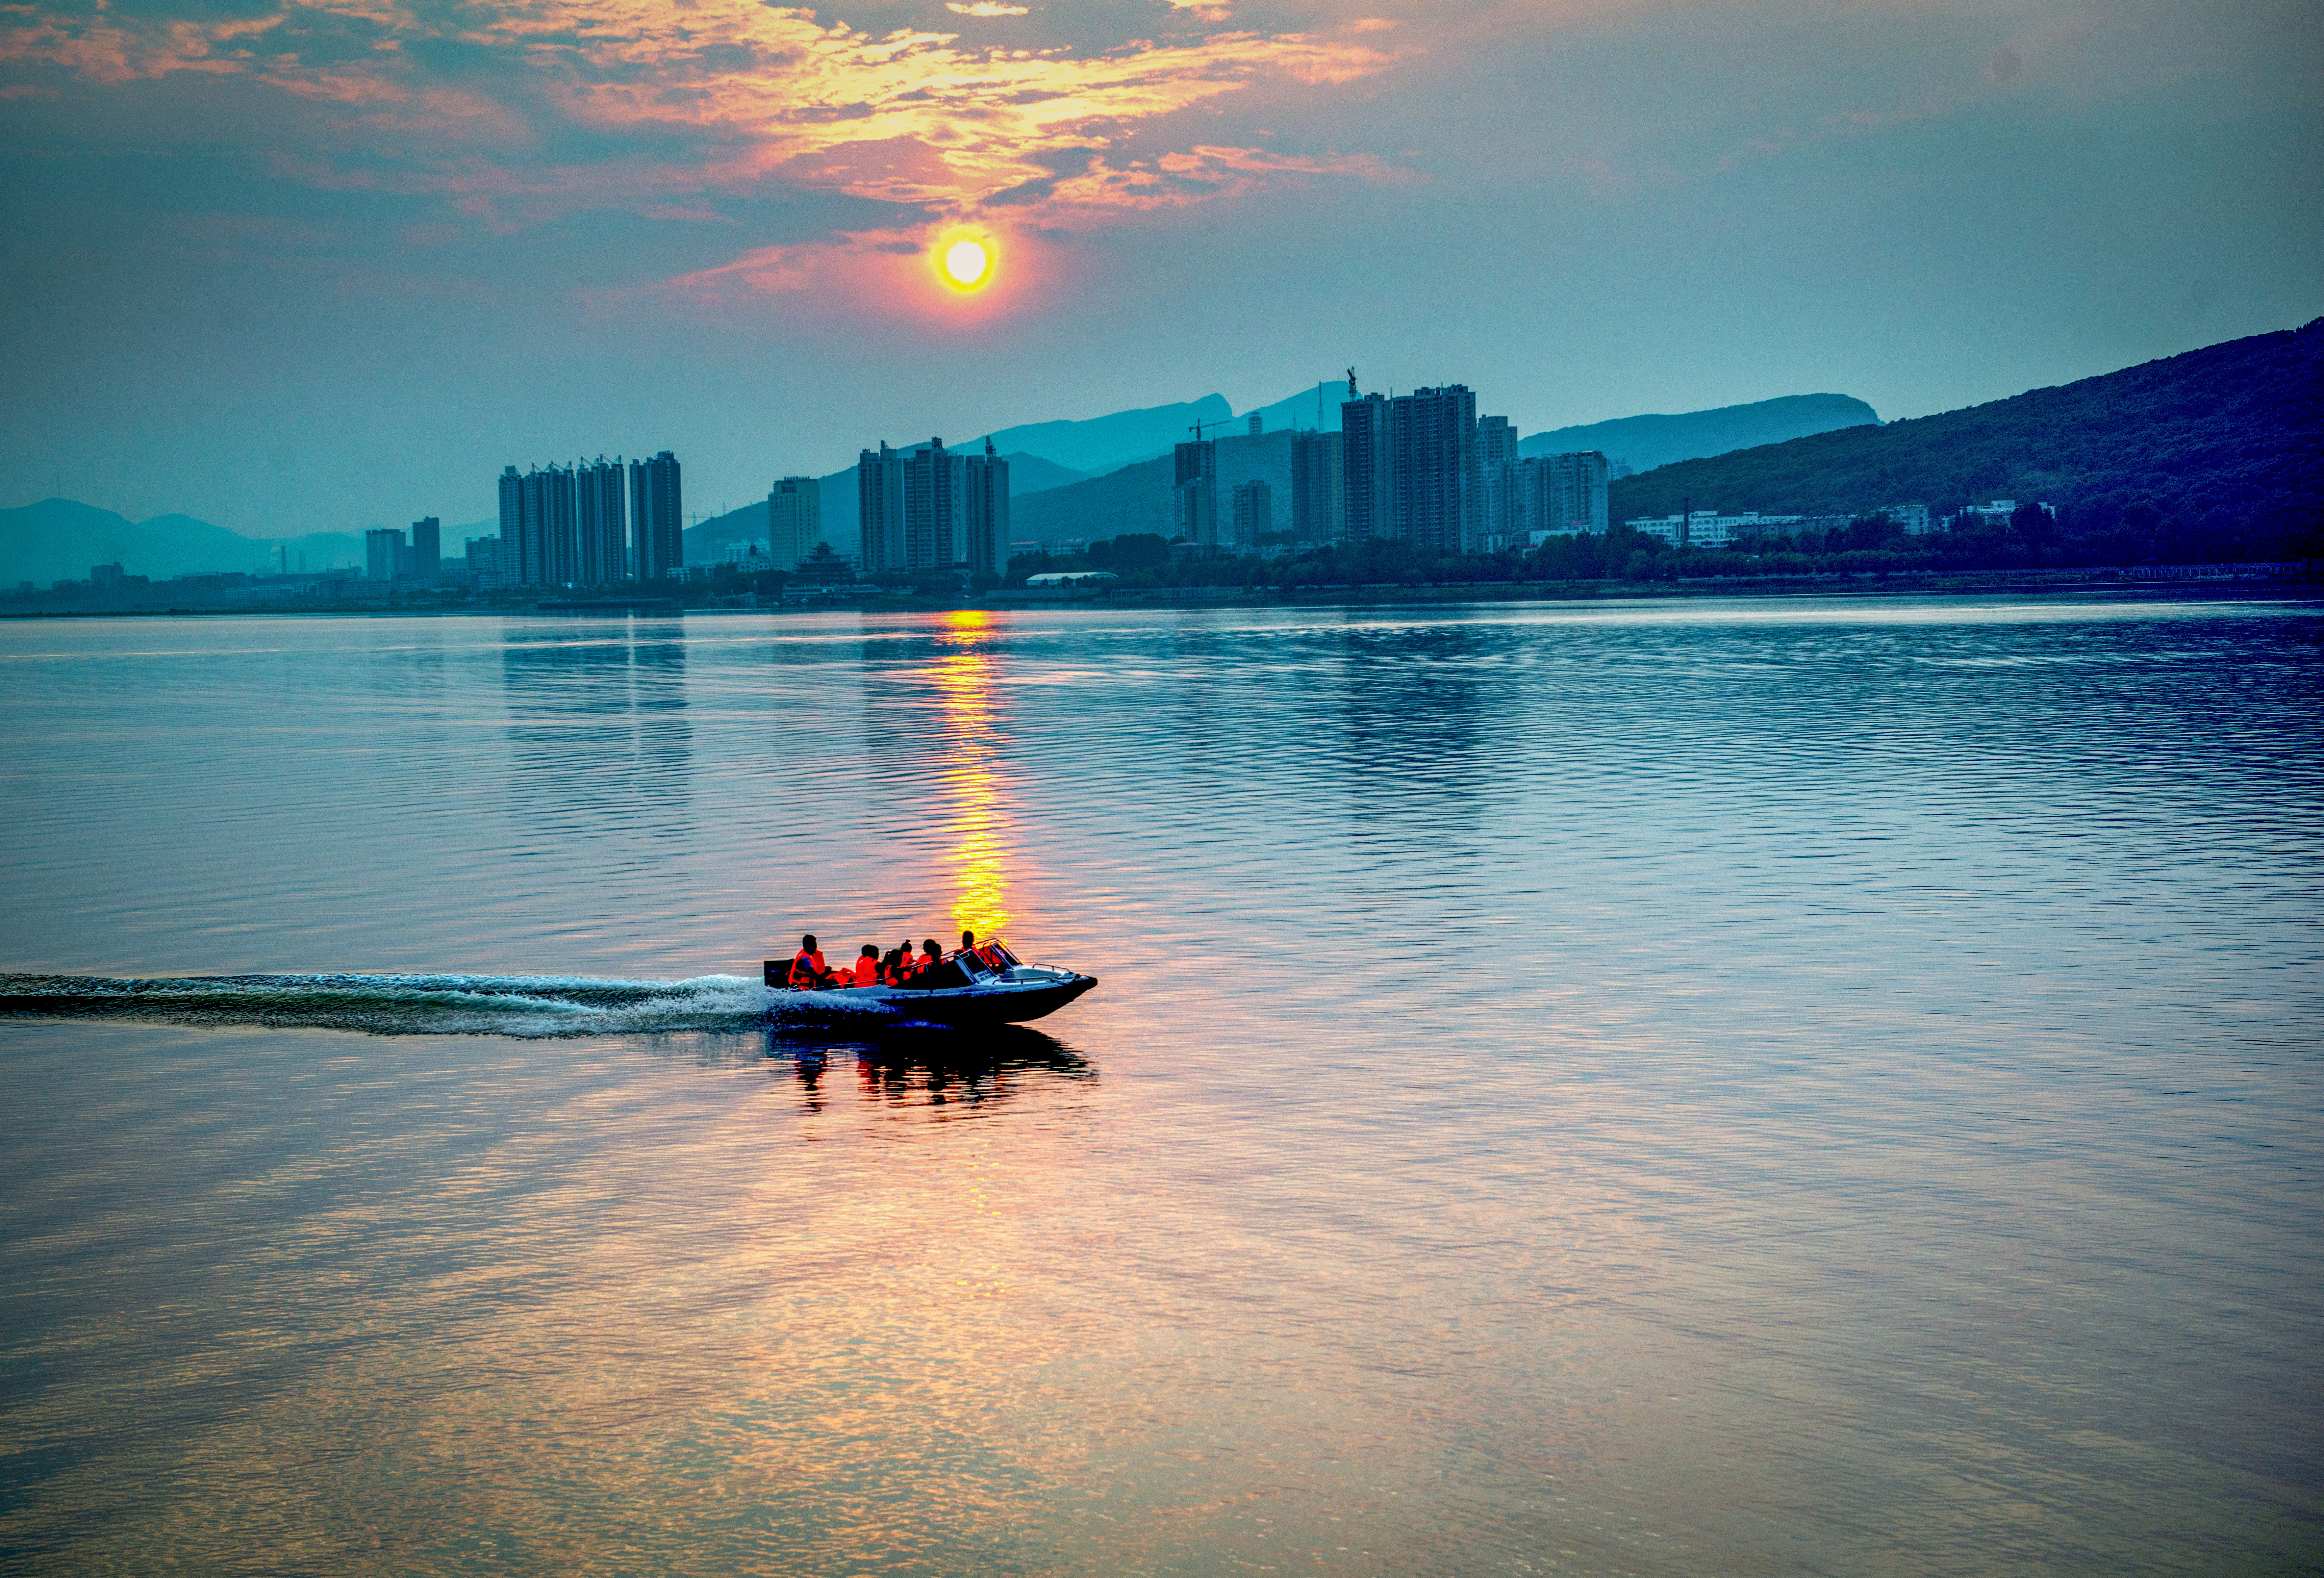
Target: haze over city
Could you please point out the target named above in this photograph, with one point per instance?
(303, 268)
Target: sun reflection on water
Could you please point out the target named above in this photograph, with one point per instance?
(979, 827)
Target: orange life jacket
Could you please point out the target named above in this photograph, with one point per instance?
(808, 969)
(867, 972)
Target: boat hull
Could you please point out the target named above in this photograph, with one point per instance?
(955, 1008)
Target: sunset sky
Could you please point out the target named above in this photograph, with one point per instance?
(314, 266)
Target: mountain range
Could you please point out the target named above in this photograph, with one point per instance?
(1643, 443)
(59, 539)
(2226, 441)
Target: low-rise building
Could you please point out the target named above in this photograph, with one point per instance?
(1709, 529)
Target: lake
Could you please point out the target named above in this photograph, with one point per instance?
(1688, 1087)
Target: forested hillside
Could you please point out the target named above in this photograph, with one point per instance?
(2213, 452)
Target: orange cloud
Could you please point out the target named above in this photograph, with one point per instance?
(913, 116)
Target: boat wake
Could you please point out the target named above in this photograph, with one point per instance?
(411, 1005)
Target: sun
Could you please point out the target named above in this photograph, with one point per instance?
(965, 262)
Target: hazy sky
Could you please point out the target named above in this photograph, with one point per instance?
(309, 267)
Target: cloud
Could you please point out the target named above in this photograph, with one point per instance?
(1201, 174)
(987, 8)
(676, 98)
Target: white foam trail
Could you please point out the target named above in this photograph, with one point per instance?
(421, 1005)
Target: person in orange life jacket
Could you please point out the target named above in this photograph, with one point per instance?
(984, 956)
(931, 956)
(808, 969)
(908, 962)
(867, 967)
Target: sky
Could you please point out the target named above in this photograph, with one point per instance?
(308, 267)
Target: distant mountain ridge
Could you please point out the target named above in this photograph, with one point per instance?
(2229, 438)
(1645, 442)
(1107, 442)
(59, 539)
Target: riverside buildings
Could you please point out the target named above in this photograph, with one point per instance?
(383, 547)
(929, 509)
(1546, 495)
(427, 547)
(984, 512)
(1709, 529)
(1254, 515)
(1434, 493)
(1409, 468)
(1195, 495)
(1365, 487)
(599, 525)
(591, 523)
(657, 519)
(794, 519)
(1317, 484)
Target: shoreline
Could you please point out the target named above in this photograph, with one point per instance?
(2110, 584)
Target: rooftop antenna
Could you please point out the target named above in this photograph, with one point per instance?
(1352, 384)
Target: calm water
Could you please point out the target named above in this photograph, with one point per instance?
(1749, 1088)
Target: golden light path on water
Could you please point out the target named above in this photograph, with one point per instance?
(978, 831)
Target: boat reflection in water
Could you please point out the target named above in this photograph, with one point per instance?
(931, 1068)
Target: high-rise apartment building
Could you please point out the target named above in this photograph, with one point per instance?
(602, 533)
(506, 567)
(932, 490)
(879, 507)
(794, 519)
(1504, 482)
(1316, 487)
(548, 527)
(912, 506)
(382, 547)
(1364, 493)
(657, 519)
(1195, 495)
(1573, 493)
(1435, 493)
(427, 547)
(984, 512)
(1497, 440)
(1499, 517)
(1254, 515)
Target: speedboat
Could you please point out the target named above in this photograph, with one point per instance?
(987, 985)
